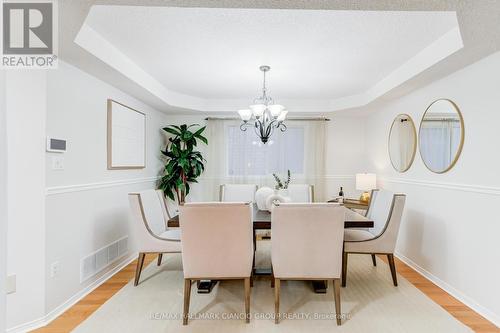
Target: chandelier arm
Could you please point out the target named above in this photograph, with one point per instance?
(258, 129)
(270, 128)
(263, 128)
(245, 125)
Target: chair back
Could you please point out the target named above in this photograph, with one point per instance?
(216, 239)
(237, 192)
(303, 193)
(150, 215)
(172, 207)
(307, 240)
(386, 210)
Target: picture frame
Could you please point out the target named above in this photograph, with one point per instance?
(126, 137)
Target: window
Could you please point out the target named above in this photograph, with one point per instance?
(247, 155)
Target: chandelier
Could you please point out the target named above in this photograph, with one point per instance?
(263, 115)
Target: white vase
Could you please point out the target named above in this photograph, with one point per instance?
(261, 196)
(273, 200)
(283, 192)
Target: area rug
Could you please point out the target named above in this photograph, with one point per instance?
(370, 303)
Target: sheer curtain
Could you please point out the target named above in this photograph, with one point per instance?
(239, 157)
(402, 143)
(439, 141)
(314, 157)
(406, 137)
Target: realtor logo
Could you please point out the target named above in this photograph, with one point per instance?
(29, 38)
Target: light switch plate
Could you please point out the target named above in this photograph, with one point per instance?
(11, 284)
(57, 163)
(55, 267)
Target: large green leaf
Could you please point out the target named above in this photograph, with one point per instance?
(172, 131)
(199, 131)
(202, 138)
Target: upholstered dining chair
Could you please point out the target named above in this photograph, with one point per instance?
(307, 245)
(172, 207)
(301, 193)
(217, 244)
(153, 236)
(386, 209)
(237, 192)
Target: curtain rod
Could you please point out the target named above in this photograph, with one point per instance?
(287, 119)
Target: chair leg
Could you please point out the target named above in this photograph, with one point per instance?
(374, 259)
(254, 248)
(336, 294)
(138, 269)
(390, 258)
(160, 255)
(344, 269)
(272, 278)
(187, 298)
(247, 300)
(277, 285)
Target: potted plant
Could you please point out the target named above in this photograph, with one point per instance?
(282, 187)
(183, 164)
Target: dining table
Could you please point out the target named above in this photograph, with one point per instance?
(262, 221)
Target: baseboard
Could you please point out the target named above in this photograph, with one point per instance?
(45, 320)
(489, 315)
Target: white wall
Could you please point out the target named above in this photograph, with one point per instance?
(3, 202)
(87, 205)
(26, 112)
(345, 154)
(450, 229)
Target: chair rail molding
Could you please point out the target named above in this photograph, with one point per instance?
(97, 185)
(444, 185)
(338, 177)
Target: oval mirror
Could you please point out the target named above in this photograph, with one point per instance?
(441, 135)
(402, 142)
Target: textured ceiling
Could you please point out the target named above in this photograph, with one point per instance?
(477, 20)
(313, 54)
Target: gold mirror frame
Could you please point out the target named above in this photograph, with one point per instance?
(462, 135)
(414, 147)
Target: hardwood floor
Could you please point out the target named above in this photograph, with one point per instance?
(453, 306)
(84, 308)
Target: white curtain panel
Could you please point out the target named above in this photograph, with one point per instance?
(439, 141)
(401, 143)
(236, 157)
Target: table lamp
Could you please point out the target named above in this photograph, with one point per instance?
(366, 182)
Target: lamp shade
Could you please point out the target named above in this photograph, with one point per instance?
(275, 109)
(282, 115)
(366, 181)
(245, 114)
(258, 109)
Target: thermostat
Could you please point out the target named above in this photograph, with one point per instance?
(56, 145)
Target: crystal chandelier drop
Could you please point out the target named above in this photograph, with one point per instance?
(263, 115)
